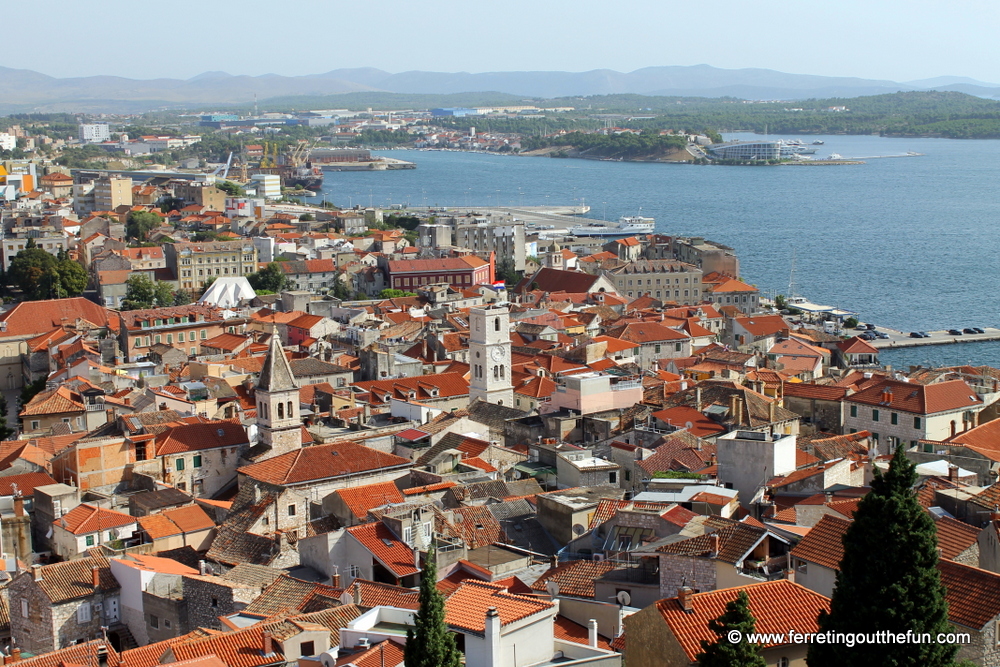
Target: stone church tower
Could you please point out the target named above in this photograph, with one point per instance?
(277, 397)
(489, 355)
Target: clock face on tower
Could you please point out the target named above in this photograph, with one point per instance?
(497, 354)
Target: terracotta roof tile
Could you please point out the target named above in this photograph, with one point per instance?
(321, 462)
(823, 544)
(954, 536)
(466, 608)
(73, 579)
(392, 552)
(568, 630)
(84, 655)
(918, 398)
(776, 605)
(206, 435)
(84, 519)
(360, 499)
(575, 578)
(973, 595)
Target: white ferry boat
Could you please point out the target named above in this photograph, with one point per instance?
(628, 225)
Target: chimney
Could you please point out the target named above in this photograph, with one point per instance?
(335, 580)
(733, 415)
(267, 648)
(770, 411)
(36, 571)
(15, 655)
(953, 428)
(697, 399)
(828, 497)
(952, 472)
(18, 505)
(554, 561)
(592, 633)
(202, 569)
(684, 594)
(713, 540)
(492, 636)
(995, 514)
(357, 593)
(95, 576)
(790, 575)
(102, 656)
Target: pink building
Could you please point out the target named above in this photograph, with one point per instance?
(594, 392)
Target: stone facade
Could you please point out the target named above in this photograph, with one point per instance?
(677, 571)
(38, 626)
(210, 597)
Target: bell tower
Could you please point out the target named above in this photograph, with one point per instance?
(277, 398)
(489, 355)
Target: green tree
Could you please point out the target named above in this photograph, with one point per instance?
(429, 643)
(780, 302)
(140, 292)
(72, 276)
(722, 652)
(28, 271)
(850, 322)
(140, 223)
(163, 294)
(182, 297)
(888, 579)
(307, 217)
(394, 294)
(5, 431)
(270, 278)
(29, 391)
(231, 189)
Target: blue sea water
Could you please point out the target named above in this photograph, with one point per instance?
(907, 242)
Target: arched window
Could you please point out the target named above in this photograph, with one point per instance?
(496, 372)
(281, 410)
(496, 324)
(501, 373)
(290, 412)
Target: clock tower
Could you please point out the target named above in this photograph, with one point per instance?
(489, 355)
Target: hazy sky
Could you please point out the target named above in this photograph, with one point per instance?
(899, 40)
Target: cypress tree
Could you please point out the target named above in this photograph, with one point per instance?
(888, 580)
(429, 643)
(724, 653)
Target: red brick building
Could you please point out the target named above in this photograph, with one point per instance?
(406, 274)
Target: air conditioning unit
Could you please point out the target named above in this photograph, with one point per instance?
(98, 606)
(169, 470)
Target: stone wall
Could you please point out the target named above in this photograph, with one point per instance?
(677, 571)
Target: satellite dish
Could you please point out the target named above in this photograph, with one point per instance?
(518, 474)
(578, 529)
(552, 588)
(624, 599)
(346, 598)
(688, 425)
(459, 518)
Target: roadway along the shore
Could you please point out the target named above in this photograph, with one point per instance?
(902, 339)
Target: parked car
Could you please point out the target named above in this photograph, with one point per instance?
(868, 335)
(969, 330)
(861, 327)
(916, 334)
(881, 334)
(870, 326)
(979, 330)
(924, 334)
(954, 332)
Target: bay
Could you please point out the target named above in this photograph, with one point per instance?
(907, 242)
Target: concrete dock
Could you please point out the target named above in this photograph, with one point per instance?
(902, 339)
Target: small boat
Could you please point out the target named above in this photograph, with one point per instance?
(818, 142)
(627, 226)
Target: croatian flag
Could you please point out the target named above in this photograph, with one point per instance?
(499, 284)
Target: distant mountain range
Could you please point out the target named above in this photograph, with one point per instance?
(26, 90)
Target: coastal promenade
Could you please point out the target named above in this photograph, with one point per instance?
(902, 339)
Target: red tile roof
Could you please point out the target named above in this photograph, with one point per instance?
(84, 519)
(360, 499)
(575, 578)
(194, 437)
(823, 544)
(31, 318)
(973, 595)
(915, 398)
(25, 483)
(568, 630)
(466, 608)
(321, 462)
(776, 605)
(392, 552)
(448, 385)
(954, 536)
